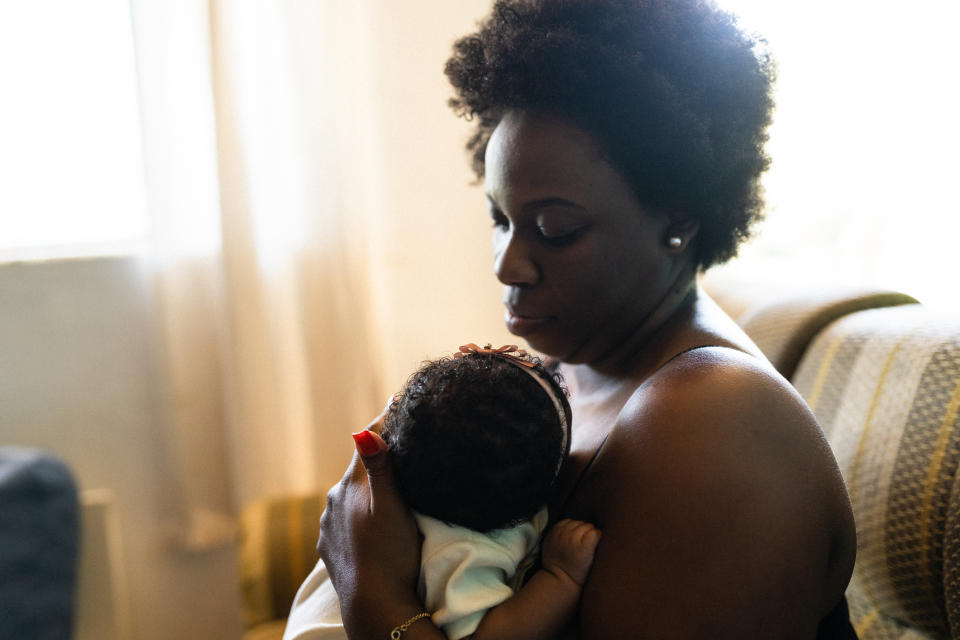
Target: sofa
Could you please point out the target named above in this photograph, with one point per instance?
(882, 374)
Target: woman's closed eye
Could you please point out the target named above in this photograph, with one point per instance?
(560, 230)
(500, 221)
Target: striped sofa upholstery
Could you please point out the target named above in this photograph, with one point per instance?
(885, 386)
(277, 550)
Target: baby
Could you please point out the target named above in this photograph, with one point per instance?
(476, 443)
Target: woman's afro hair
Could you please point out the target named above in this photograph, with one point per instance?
(676, 95)
(476, 441)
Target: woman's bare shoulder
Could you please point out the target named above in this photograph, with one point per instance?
(709, 490)
(717, 413)
(719, 393)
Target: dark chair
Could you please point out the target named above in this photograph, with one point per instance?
(39, 524)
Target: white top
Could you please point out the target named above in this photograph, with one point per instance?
(462, 574)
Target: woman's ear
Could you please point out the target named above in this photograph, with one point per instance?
(680, 234)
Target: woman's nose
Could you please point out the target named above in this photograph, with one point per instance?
(512, 262)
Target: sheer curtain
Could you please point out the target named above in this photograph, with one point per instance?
(264, 283)
(315, 233)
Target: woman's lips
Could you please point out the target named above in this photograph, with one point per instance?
(520, 325)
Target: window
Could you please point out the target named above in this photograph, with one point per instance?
(71, 167)
(865, 185)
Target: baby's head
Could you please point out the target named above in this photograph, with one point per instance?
(477, 440)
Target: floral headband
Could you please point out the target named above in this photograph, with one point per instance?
(516, 356)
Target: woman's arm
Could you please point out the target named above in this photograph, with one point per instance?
(547, 603)
(371, 547)
(713, 496)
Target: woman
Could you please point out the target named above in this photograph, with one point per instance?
(620, 142)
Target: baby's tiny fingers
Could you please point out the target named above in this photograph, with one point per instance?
(579, 528)
(562, 529)
(572, 525)
(591, 538)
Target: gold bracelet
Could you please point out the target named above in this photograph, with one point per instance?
(398, 631)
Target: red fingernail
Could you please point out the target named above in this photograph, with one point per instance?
(367, 445)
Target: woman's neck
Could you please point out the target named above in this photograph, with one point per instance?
(648, 344)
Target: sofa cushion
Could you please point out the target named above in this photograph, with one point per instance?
(885, 386)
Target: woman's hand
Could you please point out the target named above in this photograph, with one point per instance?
(369, 542)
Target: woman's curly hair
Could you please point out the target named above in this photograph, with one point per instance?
(475, 441)
(677, 96)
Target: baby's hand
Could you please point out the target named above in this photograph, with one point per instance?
(568, 549)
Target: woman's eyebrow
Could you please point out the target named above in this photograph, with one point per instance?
(549, 202)
(539, 203)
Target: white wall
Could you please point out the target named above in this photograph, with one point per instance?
(436, 231)
(77, 378)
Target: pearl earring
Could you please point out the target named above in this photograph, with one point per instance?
(674, 242)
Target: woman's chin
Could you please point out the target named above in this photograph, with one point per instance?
(527, 327)
(543, 338)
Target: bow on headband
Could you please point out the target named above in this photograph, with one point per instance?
(512, 352)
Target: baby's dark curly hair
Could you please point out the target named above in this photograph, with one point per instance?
(676, 95)
(476, 441)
